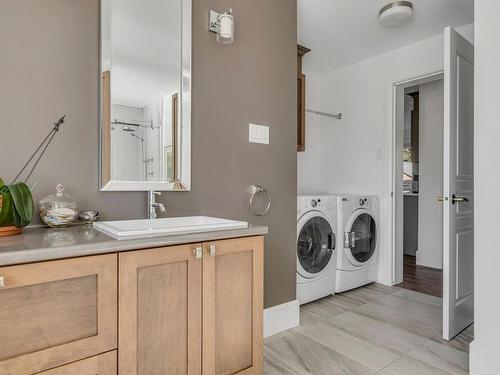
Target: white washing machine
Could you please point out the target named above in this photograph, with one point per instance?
(316, 242)
(357, 243)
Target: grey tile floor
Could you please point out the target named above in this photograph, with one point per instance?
(370, 330)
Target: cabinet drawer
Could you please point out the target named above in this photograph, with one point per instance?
(54, 313)
(104, 364)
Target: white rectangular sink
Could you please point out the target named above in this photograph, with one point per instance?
(130, 229)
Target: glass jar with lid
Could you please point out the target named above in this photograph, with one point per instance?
(58, 210)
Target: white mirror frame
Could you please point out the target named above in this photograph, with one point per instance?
(184, 159)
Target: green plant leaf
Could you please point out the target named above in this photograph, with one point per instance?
(1, 183)
(23, 204)
(6, 212)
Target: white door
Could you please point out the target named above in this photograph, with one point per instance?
(458, 188)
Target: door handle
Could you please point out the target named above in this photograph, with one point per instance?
(198, 252)
(455, 199)
(349, 239)
(331, 242)
(442, 199)
(213, 251)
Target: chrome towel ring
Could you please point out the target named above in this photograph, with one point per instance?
(256, 190)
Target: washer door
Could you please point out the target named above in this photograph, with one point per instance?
(315, 244)
(360, 239)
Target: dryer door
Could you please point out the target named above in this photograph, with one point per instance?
(315, 244)
(360, 238)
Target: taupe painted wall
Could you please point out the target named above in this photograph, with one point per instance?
(49, 66)
(250, 81)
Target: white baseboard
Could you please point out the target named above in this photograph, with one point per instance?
(281, 318)
(483, 359)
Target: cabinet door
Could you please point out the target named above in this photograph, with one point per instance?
(160, 311)
(104, 364)
(53, 313)
(233, 306)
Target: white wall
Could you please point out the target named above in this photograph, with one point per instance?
(430, 175)
(485, 350)
(313, 164)
(353, 155)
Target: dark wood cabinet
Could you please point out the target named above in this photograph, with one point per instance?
(301, 100)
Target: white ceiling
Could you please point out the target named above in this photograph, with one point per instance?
(342, 32)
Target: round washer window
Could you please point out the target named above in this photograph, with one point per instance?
(315, 244)
(365, 240)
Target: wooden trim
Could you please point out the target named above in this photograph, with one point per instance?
(209, 355)
(301, 50)
(301, 100)
(130, 263)
(106, 128)
(105, 268)
(301, 112)
(104, 364)
(258, 298)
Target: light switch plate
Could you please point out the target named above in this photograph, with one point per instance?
(258, 134)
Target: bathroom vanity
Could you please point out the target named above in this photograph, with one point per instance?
(75, 301)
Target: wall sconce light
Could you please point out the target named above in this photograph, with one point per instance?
(223, 25)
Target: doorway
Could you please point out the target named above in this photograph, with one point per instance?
(422, 182)
(457, 197)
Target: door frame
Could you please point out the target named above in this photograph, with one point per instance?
(396, 208)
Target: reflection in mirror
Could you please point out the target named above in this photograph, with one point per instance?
(145, 109)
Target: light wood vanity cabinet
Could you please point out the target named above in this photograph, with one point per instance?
(57, 312)
(194, 309)
(191, 309)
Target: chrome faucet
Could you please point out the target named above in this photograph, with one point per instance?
(153, 205)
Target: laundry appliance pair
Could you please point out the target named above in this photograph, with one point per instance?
(337, 244)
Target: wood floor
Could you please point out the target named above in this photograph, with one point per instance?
(421, 279)
(371, 330)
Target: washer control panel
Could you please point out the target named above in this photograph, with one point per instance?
(318, 203)
(363, 203)
(321, 204)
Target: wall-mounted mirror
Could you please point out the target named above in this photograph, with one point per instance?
(145, 127)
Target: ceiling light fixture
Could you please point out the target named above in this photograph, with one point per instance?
(396, 14)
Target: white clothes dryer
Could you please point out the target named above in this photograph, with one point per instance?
(316, 242)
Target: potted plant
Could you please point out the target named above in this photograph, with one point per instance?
(16, 207)
(16, 200)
